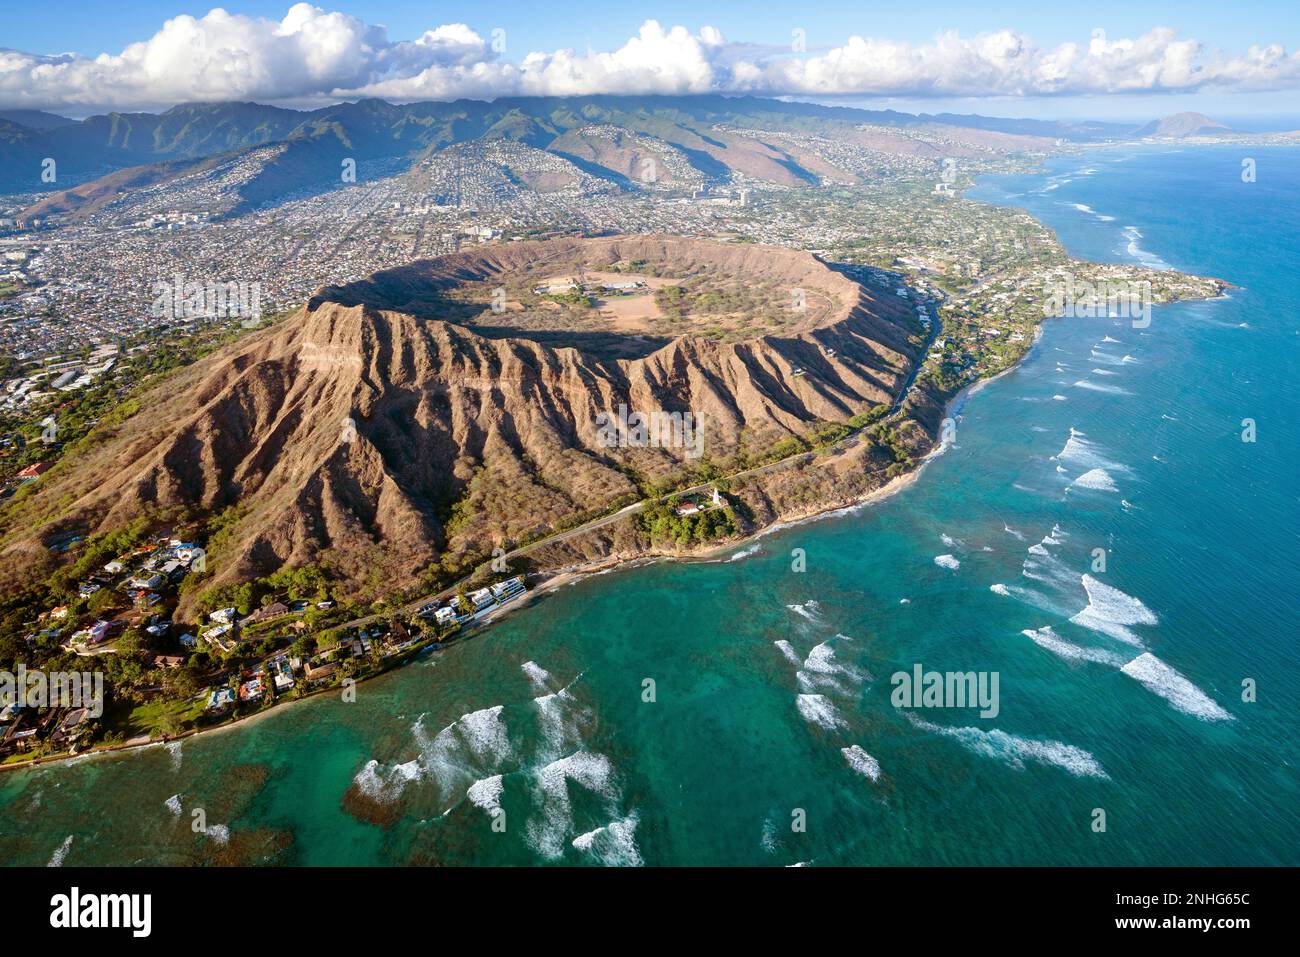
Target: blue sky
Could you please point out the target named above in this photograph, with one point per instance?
(91, 27)
(921, 72)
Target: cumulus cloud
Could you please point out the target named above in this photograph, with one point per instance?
(1006, 63)
(314, 56)
(656, 60)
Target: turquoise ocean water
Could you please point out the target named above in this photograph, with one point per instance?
(771, 687)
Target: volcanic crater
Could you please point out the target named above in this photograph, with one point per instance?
(430, 413)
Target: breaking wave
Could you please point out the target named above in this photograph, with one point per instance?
(821, 660)
(1184, 696)
(1098, 480)
(862, 762)
(1110, 612)
(538, 675)
(385, 784)
(484, 734)
(1100, 387)
(487, 793)
(791, 655)
(557, 722)
(1013, 750)
(809, 609)
(61, 853)
(1045, 637)
(614, 845)
(547, 833)
(1133, 238)
(817, 709)
(472, 744)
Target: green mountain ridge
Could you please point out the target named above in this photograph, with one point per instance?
(714, 134)
(375, 128)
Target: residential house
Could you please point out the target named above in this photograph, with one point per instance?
(508, 590)
(253, 689)
(150, 583)
(282, 674)
(69, 726)
(321, 671)
(94, 635)
(221, 698)
(267, 612)
(482, 600)
(446, 617)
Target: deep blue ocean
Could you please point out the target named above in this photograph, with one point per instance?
(771, 738)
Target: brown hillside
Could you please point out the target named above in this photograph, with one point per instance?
(369, 428)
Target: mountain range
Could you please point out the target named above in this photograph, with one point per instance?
(709, 131)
